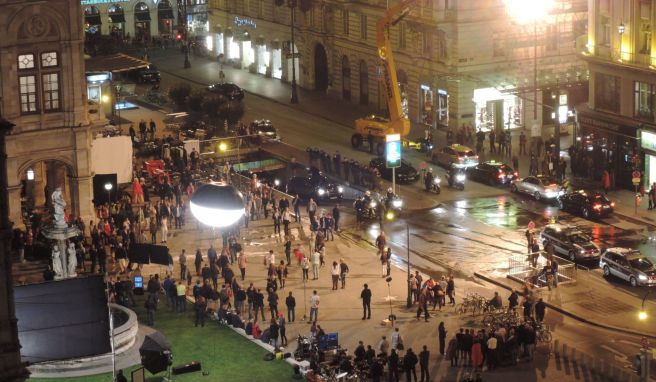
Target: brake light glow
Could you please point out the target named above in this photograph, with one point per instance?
(500, 176)
(597, 206)
(516, 173)
(612, 204)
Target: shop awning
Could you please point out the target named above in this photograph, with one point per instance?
(598, 120)
(93, 20)
(117, 18)
(113, 63)
(142, 16)
(165, 14)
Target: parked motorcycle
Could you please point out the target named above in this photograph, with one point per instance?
(456, 178)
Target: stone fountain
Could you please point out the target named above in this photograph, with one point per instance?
(64, 261)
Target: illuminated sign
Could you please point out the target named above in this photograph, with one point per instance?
(648, 140)
(93, 2)
(393, 150)
(245, 22)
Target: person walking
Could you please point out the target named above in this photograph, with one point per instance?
(258, 303)
(290, 302)
(241, 263)
(273, 303)
(423, 364)
(288, 249)
(441, 333)
(365, 295)
(182, 260)
(381, 242)
(343, 271)
(198, 261)
(410, 365)
(314, 306)
(451, 290)
(540, 309)
(423, 304)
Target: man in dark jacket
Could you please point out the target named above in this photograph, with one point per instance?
(423, 364)
(540, 309)
(336, 214)
(393, 366)
(365, 295)
(290, 302)
(409, 365)
(359, 352)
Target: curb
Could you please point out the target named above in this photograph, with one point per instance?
(570, 314)
(634, 219)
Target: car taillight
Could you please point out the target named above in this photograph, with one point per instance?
(597, 206)
(500, 176)
(612, 204)
(516, 173)
(461, 159)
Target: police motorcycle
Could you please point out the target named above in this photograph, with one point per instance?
(367, 207)
(392, 202)
(432, 183)
(456, 177)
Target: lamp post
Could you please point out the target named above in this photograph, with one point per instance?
(187, 63)
(292, 7)
(642, 315)
(407, 235)
(108, 188)
(116, 104)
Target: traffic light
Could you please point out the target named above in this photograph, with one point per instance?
(178, 37)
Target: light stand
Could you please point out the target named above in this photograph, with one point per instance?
(407, 233)
(304, 301)
(292, 6)
(187, 64)
(391, 317)
(108, 187)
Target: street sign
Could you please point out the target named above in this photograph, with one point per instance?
(636, 177)
(422, 165)
(393, 150)
(636, 181)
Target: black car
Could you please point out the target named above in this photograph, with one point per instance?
(265, 129)
(587, 203)
(492, 172)
(228, 90)
(315, 186)
(148, 75)
(404, 174)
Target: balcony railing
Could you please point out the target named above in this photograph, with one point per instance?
(626, 58)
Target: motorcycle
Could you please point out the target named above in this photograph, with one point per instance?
(393, 203)
(435, 185)
(457, 179)
(367, 207)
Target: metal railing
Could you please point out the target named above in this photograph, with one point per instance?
(529, 268)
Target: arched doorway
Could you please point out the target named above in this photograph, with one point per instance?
(117, 18)
(38, 181)
(165, 18)
(402, 79)
(364, 83)
(320, 68)
(346, 78)
(141, 22)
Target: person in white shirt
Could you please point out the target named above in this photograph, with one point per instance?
(269, 259)
(314, 306)
(397, 340)
(316, 261)
(334, 272)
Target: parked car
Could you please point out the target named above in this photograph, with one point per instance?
(492, 172)
(265, 129)
(587, 203)
(315, 186)
(228, 90)
(148, 75)
(458, 155)
(540, 187)
(404, 174)
(569, 242)
(629, 265)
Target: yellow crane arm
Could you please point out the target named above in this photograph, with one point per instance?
(393, 15)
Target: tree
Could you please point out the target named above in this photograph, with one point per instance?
(195, 100)
(179, 93)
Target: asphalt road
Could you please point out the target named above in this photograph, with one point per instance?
(473, 230)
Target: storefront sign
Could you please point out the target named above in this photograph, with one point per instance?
(93, 2)
(600, 124)
(648, 140)
(393, 150)
(245, 22)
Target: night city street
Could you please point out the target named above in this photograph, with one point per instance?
(326, 191)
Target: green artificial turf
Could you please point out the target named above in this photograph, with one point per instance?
(225, 354)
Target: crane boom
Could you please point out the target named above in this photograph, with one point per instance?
(399, 123)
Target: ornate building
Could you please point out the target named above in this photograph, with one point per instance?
(618, 124)
(139, 19)
(463, 61)
(43, 92)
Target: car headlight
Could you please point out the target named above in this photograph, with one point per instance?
(372, 204)
(258, 184)
(340, 189)
(321, 191)
(397, 203)
(551, 194)
(436, 180)
(276, 182)
(642, 277)
(460, 177)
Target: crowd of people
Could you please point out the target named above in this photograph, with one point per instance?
(349, 170)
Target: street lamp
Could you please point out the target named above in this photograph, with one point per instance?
(187, 64)
(526, 12)
(390, 216)
(642, 315)
(621, 28)
(108, 187)
(292, 7)
(217, 204)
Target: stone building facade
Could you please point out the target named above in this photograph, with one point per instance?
(458, 62)
(43, 92)
(618, 123)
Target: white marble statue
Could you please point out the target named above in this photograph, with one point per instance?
(59, 205)
(72, 260)
(57, 262)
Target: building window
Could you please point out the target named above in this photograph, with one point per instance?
(311, 14)
(26, 61)
(50, 84)
(401, 35)
(552, 37)
(441, 45)
(498, 44)
(426, 42)
(607, 92)
(27, 89)
(363, 27)
(643, 100)
(604, 31)
(345, 21)
(49, 59)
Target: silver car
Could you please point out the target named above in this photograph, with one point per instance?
(457, 155)
(628, 264)
(539, 187)
(568, 241)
